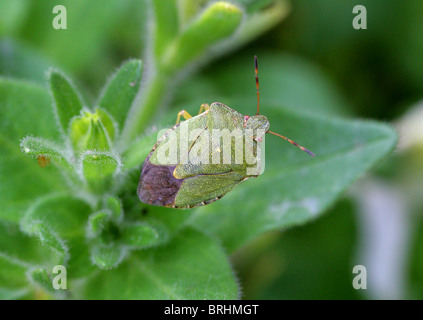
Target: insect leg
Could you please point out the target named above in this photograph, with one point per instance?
(204, 107)
(184, 114)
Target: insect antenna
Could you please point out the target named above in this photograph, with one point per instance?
(293, 142)
(257, 84)
(258, 110)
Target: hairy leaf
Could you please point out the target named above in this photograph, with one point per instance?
(12, 272)
(22, 179)
(67, 101)
(140, 235)
(170, 272)
(107, 257)
(98, 169)
(120, 91)
(20, 60)
(294, 187)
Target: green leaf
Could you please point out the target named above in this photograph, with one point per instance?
(136, 153)
(44, 150)
(108, 123)
(60, 222)
(12, 294)
(139, 235)
(67, 101)
(294, 187)
(34, 147)
(92, 131)
(22, 178)
(163, 220)
(14, 243)
(41, 277)
(18, 115)
(293, 264)
(80, 264)
(115, 206)
(97, 222)
(120, 91)
(65, 215)
(12, 272)
(192, 266)
(107, 257)
(48, 238)
(217, 22)
(188, 9)
(99, 168)
(19, 256)
(20, 60)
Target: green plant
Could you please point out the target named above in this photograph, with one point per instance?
(82, 211)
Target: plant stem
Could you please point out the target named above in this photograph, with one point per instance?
(145, 109)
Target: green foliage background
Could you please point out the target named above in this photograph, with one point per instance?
(92, 98)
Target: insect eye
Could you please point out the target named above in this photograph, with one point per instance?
(246, 119)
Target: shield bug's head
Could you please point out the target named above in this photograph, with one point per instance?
(256, 122)
(260, 122)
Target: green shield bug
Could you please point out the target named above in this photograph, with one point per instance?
(178, 172)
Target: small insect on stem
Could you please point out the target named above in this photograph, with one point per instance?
(43, 161)
(258, 109)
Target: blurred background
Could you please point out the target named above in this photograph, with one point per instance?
(375, 73)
